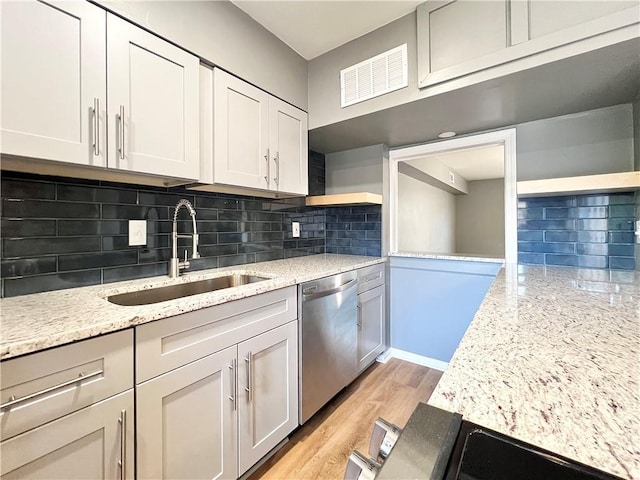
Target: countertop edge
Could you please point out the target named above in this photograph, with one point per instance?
(120, 317)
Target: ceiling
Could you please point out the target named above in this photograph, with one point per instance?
(312, 27)
(482, 163)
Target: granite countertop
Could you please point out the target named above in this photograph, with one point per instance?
(466, 257)
(552, 357)
(43, 320)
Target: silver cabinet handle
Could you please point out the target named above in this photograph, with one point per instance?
(234, 384)
(277, 160)
(121, 132)
(358, 322)
(122, 463)
(266, 177)
(82, 377)
(372, 277)
(249, 387)
(96, 126)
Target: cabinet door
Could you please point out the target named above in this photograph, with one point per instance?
(53, 76)
(187, 421)
(268, 382)
(546, 18)
(370, 326)
(288, 147)
(153, 103)
(240, 133)
(92, 443)
(452, 33)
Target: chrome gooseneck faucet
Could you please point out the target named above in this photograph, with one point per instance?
(176, 265)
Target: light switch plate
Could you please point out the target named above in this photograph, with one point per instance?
(295, 227)
(137, 232)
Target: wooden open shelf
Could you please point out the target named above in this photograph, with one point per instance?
(605, 183)
(358, 198)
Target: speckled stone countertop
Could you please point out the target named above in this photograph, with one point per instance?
(448, 256)
(552, 358)
(43, 320)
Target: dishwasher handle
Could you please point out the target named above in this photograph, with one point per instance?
(324, 293)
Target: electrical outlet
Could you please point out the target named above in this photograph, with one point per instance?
(295, 226)
(137, 232)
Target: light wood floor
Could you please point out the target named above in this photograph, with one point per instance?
(319, 449)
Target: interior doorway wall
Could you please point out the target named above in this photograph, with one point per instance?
(506, 138)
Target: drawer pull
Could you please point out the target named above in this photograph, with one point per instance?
(82, 377)
(372, 277)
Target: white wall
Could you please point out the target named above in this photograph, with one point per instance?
(357, 170)
(426, 217)
(224, 35)
(587, 143)
(480, 219)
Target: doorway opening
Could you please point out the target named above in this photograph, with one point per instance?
(455, 197)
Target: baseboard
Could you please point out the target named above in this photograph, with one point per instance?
(413, 358)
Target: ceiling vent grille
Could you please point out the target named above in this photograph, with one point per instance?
(375, 76)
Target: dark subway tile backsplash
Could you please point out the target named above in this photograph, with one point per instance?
(62, 233)
(593, 231)
(354, 230)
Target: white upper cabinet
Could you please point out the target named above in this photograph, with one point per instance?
(153, 103)
(240, 132)
(457, 38)
(53, 81)
(250, 139)
(289, 144)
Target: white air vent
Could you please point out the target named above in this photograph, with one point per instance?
(376, 76)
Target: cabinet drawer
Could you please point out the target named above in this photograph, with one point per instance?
(170, 343)
(370, 277)
(44, 386)
(95, 442)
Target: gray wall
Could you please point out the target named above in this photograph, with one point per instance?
(587, 143)
(357, 170)
(224, 35)
(480, 219)
(426, 217)
(324, 73)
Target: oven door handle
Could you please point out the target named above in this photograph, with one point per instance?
(324, 293)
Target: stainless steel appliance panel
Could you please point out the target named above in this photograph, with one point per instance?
(328, 339)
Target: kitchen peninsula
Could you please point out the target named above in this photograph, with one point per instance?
(552, 357)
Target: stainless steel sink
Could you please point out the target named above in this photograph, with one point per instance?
(162, 294)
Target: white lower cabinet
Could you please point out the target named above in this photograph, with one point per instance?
(214, 415)
(187, 421)
(370, 326)
(268, 403)
(93, 443)
(68, 412)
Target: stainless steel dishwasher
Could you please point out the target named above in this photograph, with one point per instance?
(328, 339)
